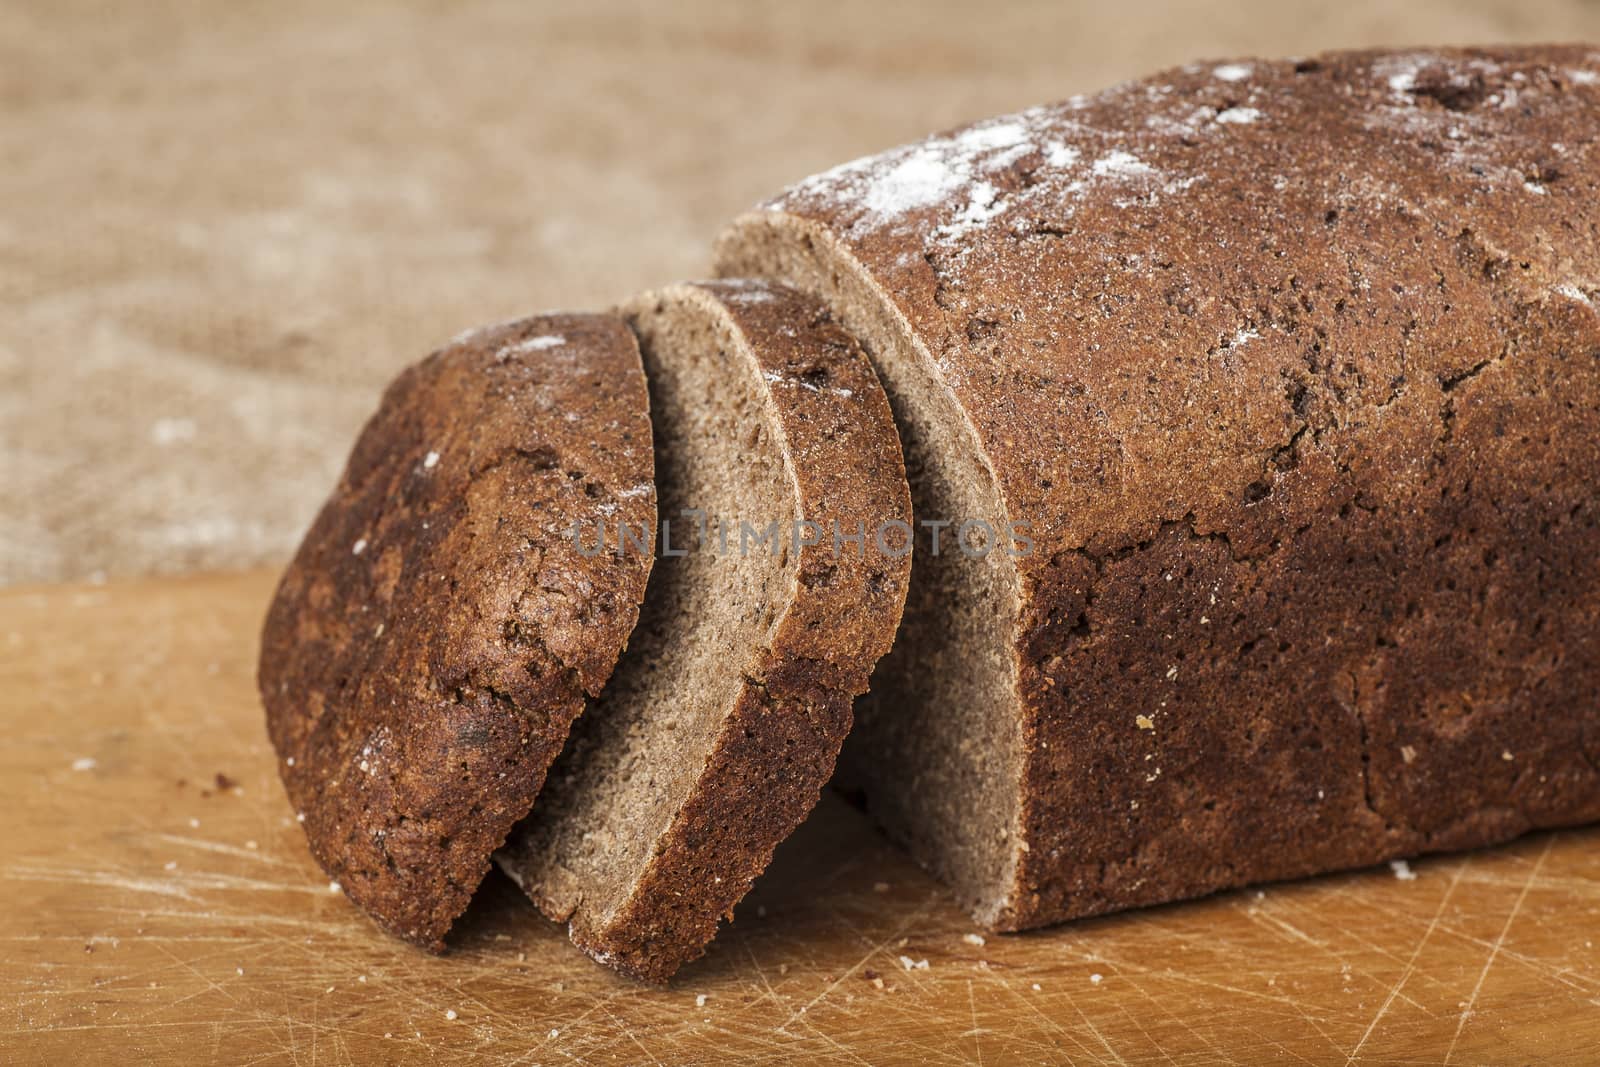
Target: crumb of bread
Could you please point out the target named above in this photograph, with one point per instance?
(1402, 870)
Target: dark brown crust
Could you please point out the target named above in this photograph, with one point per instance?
(777, 747)
(434, 637)
(1304, 407)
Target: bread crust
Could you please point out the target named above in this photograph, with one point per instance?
(1291, 366)
(776, 747)
(438, 629)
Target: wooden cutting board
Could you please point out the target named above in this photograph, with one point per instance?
(157, 904)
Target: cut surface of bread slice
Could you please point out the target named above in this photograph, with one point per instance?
(726, 713)
(1289, 367)
(440, 625)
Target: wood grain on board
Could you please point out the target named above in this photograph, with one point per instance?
(157, 905)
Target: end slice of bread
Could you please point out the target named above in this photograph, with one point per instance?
(760, 625)
(439, 627)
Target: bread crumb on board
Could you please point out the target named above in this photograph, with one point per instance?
(913, 965)
(974, 939)
(1402, 870)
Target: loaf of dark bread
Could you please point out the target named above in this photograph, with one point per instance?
(1292, 371)
(726, 713)
(439, 627)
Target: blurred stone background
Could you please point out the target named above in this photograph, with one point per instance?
(224, 226)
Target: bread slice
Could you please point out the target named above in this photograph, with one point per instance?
(1289, 366)
(725, 715)
(440, 627)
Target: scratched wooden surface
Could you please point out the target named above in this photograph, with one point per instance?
(148, 915)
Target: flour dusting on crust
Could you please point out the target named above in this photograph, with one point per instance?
(1007, 174)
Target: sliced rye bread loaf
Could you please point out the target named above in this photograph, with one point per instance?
(1293, 369)
(439, 628)
(726, 713)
